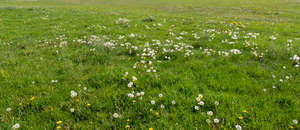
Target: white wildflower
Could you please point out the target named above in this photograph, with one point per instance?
(201, 103)
(173, 102)
(238, 127)
(152, 102)
(217, 103)
(210, 113)
(16, 126)
(8, 109)
(134, 78)
(216, 120)
(295, 122)
(130, 84)
(162, 106)
(208, 121)
(72, 110)
(130, 95)
(196, 107)
(160, 95)
(115, 115)
(73, 93)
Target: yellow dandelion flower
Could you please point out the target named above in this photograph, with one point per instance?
(32, 98)
(127, 126)
(88, 105)
(58, 122)
(128, 120)
(244, 111)
(241, 117)
(20, 104)
(156, 113)
(151, 110)
(134, 101)
(150, 128)
(292, 127)
(58, 127)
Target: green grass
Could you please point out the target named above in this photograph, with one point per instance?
(33, 53)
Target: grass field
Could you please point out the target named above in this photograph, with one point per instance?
(149, 64)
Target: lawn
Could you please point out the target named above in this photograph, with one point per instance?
(149, 64)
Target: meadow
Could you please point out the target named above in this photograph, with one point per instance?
(149, 64)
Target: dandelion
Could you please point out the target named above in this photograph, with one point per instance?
(58, 122)
(32, 98)
(88, 105)
(58, 127)
(150, 128)
(209, 113)
(16, 126)
(216, 120)
(115, 115)
(241, 117)
(127, 126)
(73, 93)
(238, 127)
(133, 101)
(151, 110)
(156, 113)
(244, 111)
